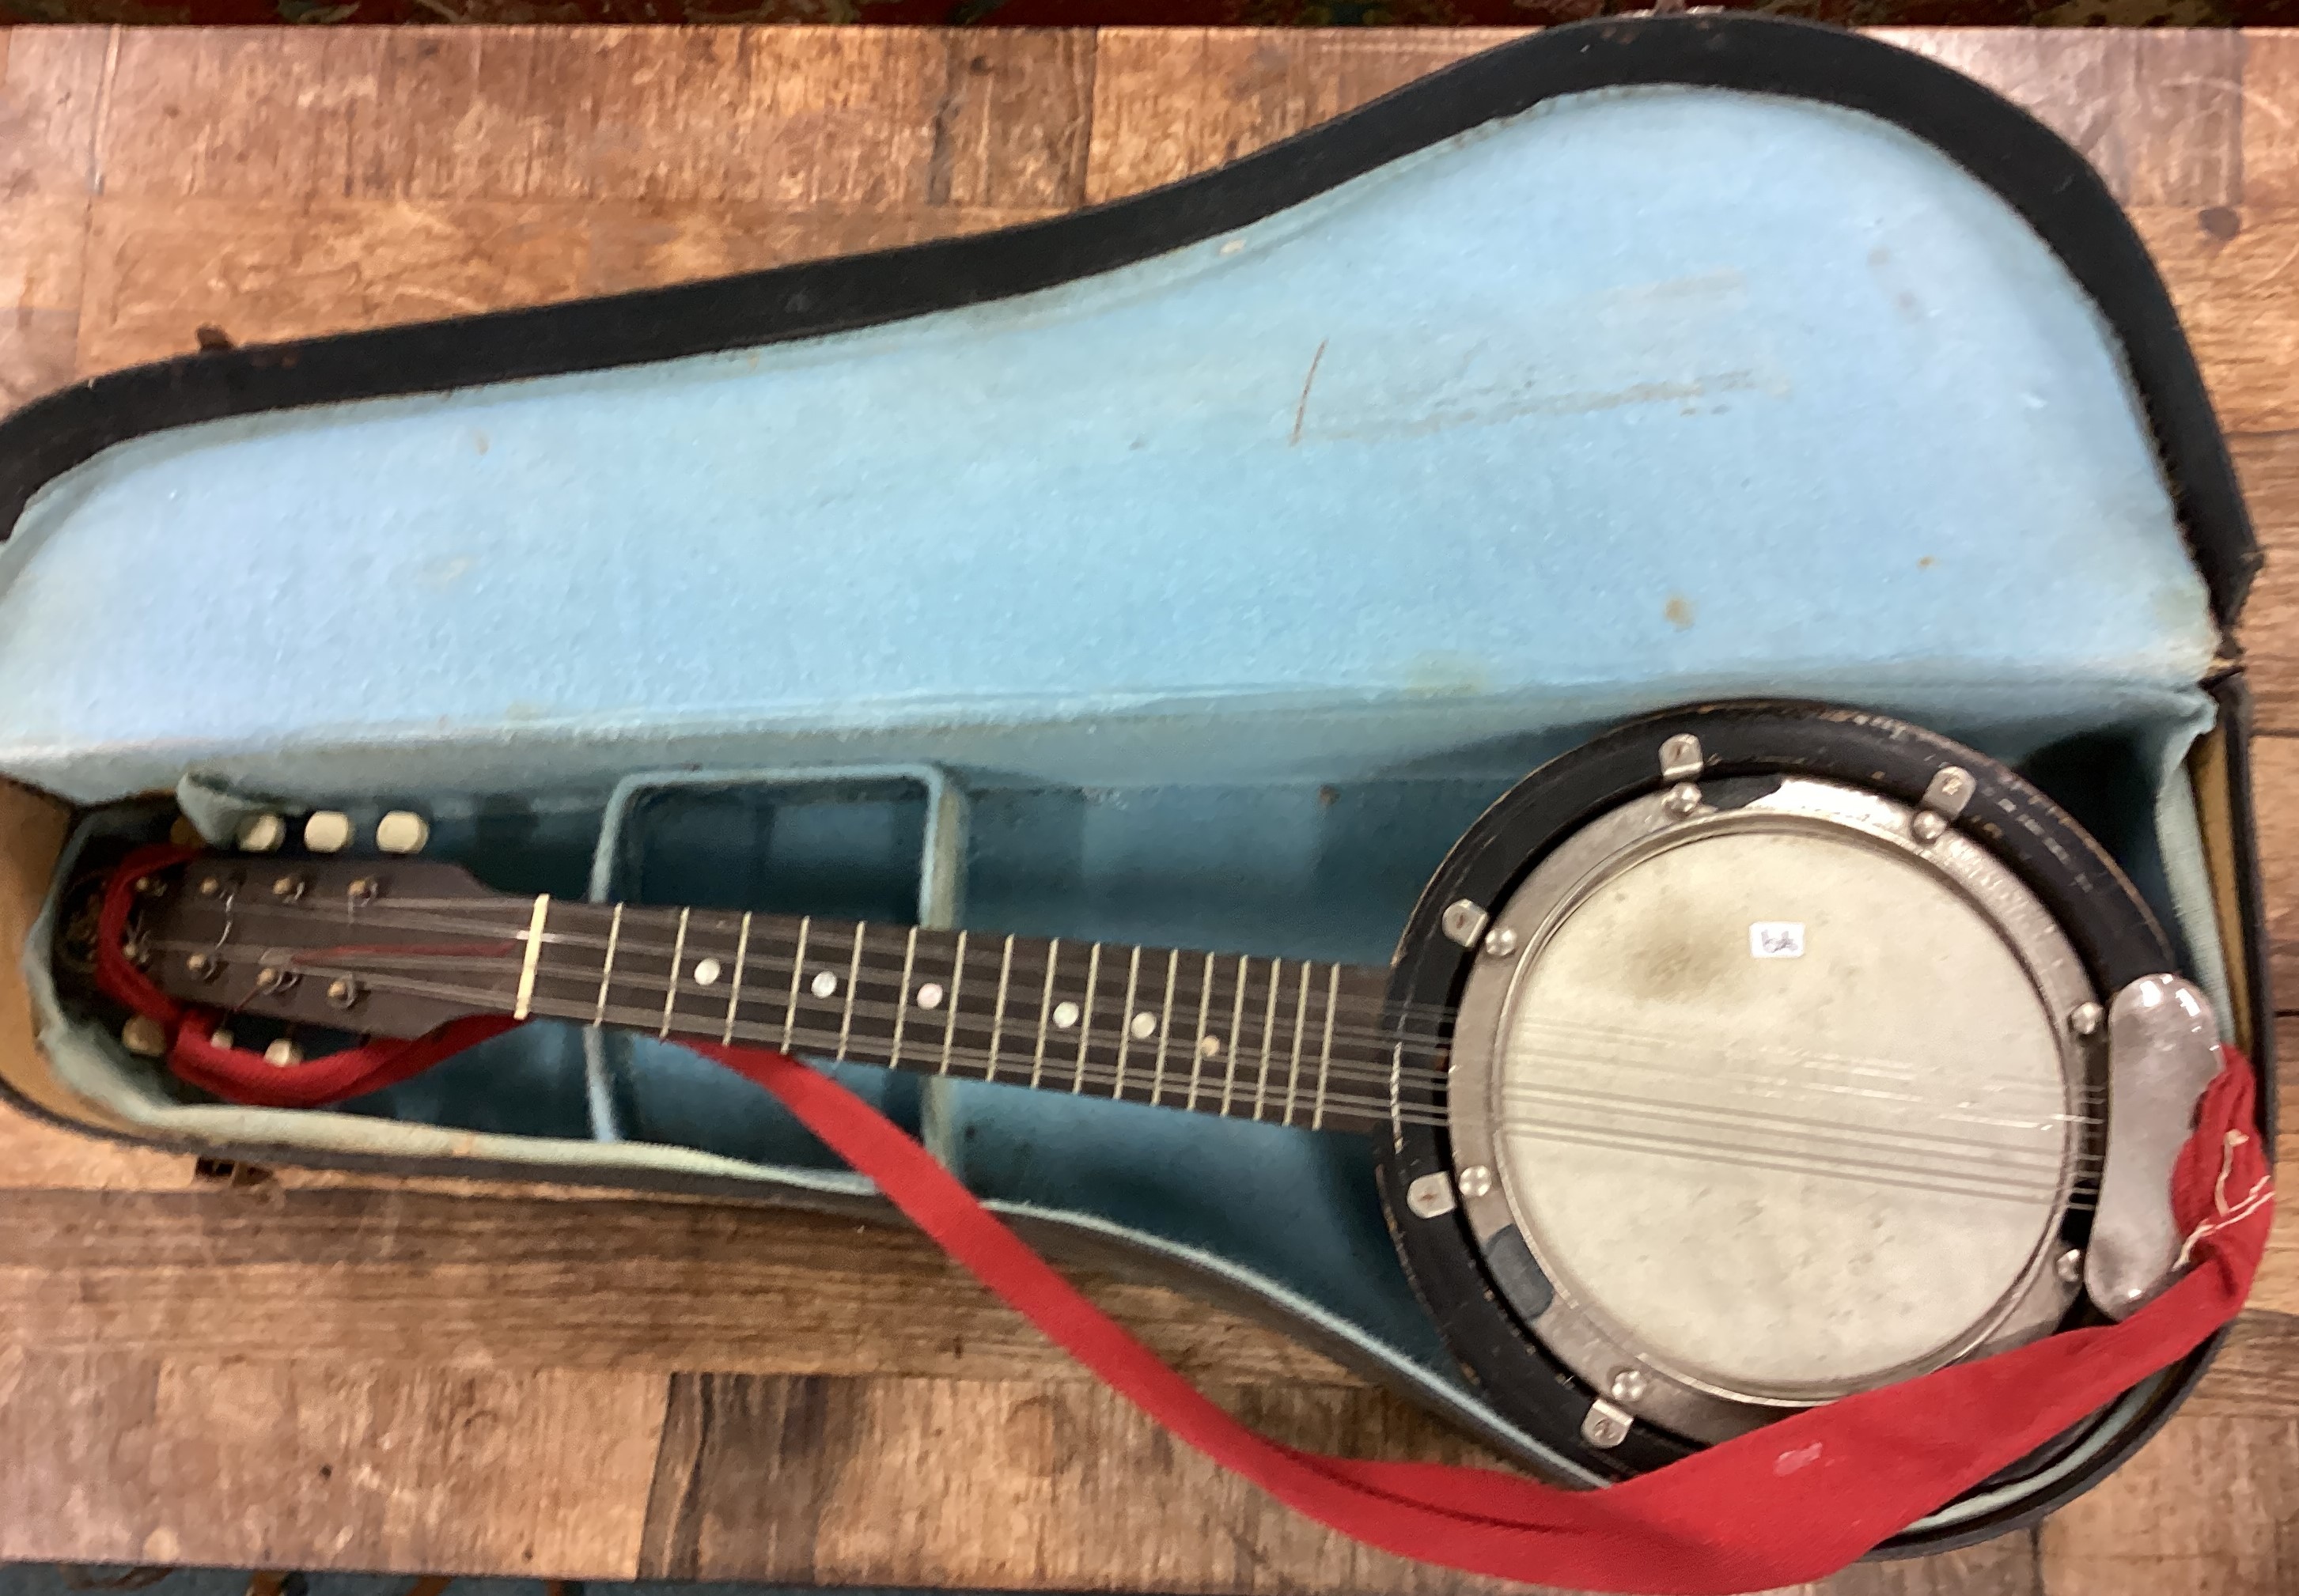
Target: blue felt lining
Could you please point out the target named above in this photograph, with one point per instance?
(1637, 397)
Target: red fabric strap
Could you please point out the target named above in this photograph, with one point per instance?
(1790, 1503)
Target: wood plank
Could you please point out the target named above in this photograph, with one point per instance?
(391, 1275)
(993, 1483)
(2275, 773)
(2275, 1290)
(2158, 113)
(2268, 465)
(51, 84)
(1168, 102)
(882, 119)
(2270, 117)
(2202, 1511)
(316, 1462)
(2231, 276)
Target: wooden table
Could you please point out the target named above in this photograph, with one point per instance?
(311, 1371)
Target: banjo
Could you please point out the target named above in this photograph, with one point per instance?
(1741, 1059)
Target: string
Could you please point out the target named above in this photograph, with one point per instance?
(1143, 1060)
(1380, 1037)
(1872, 1171)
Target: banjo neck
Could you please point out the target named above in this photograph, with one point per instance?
(399, 948)
(1290, 1041)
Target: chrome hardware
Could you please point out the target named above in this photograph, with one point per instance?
(1463, 921)
(363, 891)
(1476, 1180)
(2162, 1051)
(1628, 1385)
(1682, 799)
(202, 966)
(1606, 1426)
(2085, 1018)
(1431, 1196)
(1681, 757)
(2069, 1265)
(1500, 944)
(1948, 792)
(290, 889)
(1925, 826)
(342, 992)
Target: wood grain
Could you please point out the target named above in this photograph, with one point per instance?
(346, 1372)
(317, 1462)
(611, 1284)
(1168, 102)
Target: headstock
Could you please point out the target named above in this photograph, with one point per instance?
(391, 947)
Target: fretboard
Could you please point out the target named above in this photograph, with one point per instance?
(1290, 1041)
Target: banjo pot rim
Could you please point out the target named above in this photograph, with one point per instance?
(1637, 1380)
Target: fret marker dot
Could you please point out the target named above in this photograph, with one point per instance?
(1144, 1026)
(706, 973)
(1210, 1048)
(824, 984)
(1066, 1015)
(930, 995)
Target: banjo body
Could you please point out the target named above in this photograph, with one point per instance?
(1742, 1059)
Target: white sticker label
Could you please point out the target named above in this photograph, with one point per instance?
(1776, 939)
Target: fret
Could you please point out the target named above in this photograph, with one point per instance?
(901, 997)
(1325, 1052)
(1164, 1025)
(1045, 1011)
(734, 992)
(1085, 1014)
(797, 971)
(1397, 1094)
(1269, 1034)
(998, 1016)
(1293, 1073)
(854, 980)
(534, 958)
(607, 970)
(950, 1015)
(1198, 1047)
(1236, 1036)
(1125, 1023)
(678, 963)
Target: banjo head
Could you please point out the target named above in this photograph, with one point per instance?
(1774, 1074)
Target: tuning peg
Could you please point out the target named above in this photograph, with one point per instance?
(262, 834)
(402, 831)
(327, 831)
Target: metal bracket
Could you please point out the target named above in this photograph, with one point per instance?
(1431, 1196)
(2162, 1050)
(1681, 757)
(1606, 1426)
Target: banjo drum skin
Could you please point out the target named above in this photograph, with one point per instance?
(1778, 1069)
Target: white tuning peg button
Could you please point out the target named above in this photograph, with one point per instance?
(327, 831)
(402, 831)
(262, 834)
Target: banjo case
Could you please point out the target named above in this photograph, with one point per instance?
(1191, 570)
